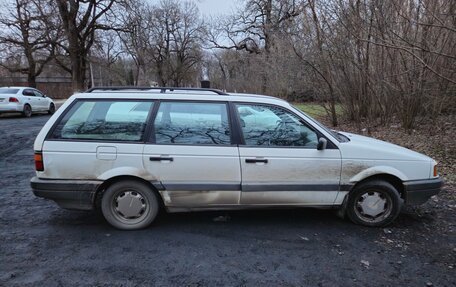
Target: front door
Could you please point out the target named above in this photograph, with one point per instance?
(280, 162)
(43, 103)
(191, 155)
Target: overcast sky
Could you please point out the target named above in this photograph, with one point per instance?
(216, 7)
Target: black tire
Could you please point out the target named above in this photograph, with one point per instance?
(27, 112)
(382, 195)
(145, 199)
(51, 110)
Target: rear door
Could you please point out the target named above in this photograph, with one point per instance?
(192, 155)
(95, 137)
(32, 99)
(280, 162)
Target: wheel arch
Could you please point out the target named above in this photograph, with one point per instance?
(108, 182)
(27, 103)
(394, 180)
(387, 177)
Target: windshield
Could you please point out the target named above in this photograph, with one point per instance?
(340, 137)
(8, 91)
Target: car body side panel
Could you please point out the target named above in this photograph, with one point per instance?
(79, 160)
(291, 176)
(197, 175)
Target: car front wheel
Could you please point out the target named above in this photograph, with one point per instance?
(129, 205)
(51, 109)
(374, 203)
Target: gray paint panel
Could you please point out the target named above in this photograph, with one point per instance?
(201, 187)
(249, 187)
(289, 187)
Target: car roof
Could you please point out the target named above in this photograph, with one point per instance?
(177, 94)
(15, 87)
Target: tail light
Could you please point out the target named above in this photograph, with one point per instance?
(13, 100)
(39, 165)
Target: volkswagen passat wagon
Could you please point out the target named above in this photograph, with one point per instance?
(131, 151)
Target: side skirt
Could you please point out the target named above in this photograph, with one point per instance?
(176, 209)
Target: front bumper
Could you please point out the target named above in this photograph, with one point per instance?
(419, 191)
(68, 194)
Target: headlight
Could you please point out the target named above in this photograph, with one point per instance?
(435, 171)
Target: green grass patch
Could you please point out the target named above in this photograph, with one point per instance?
(316, 110)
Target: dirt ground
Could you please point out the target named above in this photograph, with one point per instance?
(43, 245)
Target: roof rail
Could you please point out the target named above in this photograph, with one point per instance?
(161, 89)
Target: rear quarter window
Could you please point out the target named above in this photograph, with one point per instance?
(104, 121)
(8, 91)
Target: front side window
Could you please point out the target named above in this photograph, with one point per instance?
(37, 93)
(104, 120)
(192, 123)
(264, 125)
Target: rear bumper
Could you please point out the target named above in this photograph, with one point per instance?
(419, 191)
(69, 194)
(11, 107)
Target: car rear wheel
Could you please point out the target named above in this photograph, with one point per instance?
(374, 203)
(27, 112)
(129, 205)
(51, 109)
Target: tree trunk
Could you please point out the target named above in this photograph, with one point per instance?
(31, 79)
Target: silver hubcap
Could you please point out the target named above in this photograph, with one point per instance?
(130, 204)
(373, 206)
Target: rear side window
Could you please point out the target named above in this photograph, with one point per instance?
(104, 120)
(192, 123)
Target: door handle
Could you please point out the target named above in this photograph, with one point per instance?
(160, 158)
(256, 160)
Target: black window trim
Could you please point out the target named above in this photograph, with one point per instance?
(152, 141)
(330, 144)
(148, 137)
(69, 108)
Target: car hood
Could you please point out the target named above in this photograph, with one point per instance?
(362, 147)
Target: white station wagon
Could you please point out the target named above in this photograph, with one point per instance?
(131, 151)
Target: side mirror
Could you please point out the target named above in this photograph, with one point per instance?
(322, 142)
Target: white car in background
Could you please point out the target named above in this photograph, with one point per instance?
(24, 100)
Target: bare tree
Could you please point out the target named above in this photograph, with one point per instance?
(80, 19)
(28, 37)
(175, 40)
(164, 40)
(255, 28)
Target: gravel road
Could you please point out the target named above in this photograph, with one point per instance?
(43, 245)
